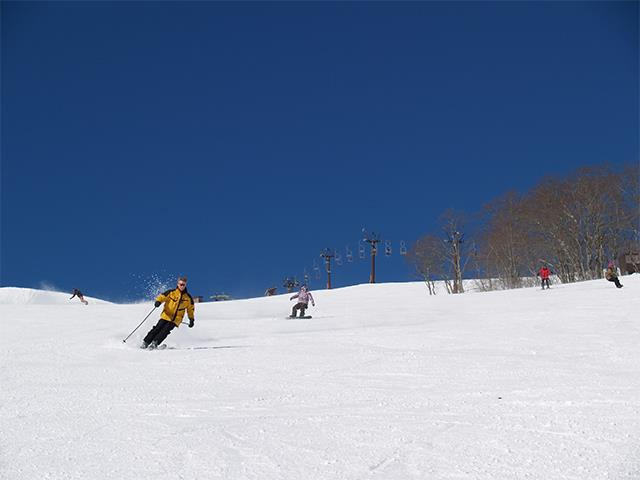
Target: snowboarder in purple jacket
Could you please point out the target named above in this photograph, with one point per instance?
(303, 296)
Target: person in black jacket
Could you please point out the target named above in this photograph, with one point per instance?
(612, 275)
(78, 293)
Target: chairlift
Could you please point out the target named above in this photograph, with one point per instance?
(387, 248)
(219, 297)
(403, 248)
(338, 258)
(327, 253)
(349, 255)
(361, 252)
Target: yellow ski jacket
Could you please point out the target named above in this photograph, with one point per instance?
(175, 304)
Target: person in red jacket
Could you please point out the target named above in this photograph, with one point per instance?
(544, 275)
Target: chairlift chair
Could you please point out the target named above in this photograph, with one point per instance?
(361, 252)
(349, 255)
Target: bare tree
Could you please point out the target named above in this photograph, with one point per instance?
(628, 213)
(503, 241)
(574, 225)
(427, 256)
(457, 252)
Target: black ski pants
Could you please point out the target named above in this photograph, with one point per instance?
(299, 306)
(545, 281)
(159, 332)
(616, 281)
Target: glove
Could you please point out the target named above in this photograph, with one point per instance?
(313, 304)
(191, 320)
(157, 304)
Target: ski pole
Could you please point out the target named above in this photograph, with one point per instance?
(125, 340)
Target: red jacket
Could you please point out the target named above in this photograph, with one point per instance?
(544, 272)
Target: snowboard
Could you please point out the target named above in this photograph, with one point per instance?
(306, 317)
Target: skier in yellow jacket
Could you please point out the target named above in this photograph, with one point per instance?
(176, 302)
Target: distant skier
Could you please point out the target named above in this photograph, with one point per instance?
(612, 275)
(176, 302)
(78, 293)
(544, 275)
(303, 296)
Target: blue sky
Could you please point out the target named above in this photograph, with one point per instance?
(232, 142)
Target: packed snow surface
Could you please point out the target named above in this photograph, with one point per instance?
(383, 382)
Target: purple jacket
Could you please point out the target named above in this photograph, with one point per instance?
(303, 296)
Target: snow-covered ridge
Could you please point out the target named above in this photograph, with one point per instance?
(31, 296)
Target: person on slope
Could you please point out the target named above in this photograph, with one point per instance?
(176, 302)
(78, 293)
(544, 273)
(611, 274)
(303, 296)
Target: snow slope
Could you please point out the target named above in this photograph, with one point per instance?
(29, 296)
(384, 382)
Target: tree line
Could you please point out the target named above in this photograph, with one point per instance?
(575, 225)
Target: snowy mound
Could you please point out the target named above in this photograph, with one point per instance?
(30, 296)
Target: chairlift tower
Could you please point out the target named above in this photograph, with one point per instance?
(328, 254)
(372, 239)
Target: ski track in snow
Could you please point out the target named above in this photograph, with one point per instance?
(384, 382)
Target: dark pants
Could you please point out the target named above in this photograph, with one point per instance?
(159, 332)
(545, 281)
(616, 281)
(299, 306)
